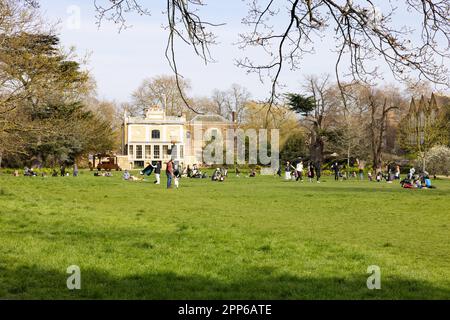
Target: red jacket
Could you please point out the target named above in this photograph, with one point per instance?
(169, 169)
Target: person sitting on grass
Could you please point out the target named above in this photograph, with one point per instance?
(217, 175)
(379, 176)
(252, 174)
(426, 181)
(406, 183)
(126, 175)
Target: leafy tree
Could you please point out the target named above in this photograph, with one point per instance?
(294, 147)
(301, 104)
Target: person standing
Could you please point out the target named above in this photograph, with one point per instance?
(361, 166)
(335, 168)
(75, 170)
(397, 172)
(310, 172)
(299, 169)
(157, 169)
(318, 171)
(169, 173)
(287, 171)
(177, 177)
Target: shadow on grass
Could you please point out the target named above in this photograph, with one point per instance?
(31, 282)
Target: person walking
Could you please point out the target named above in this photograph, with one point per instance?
(157, 170)
(169, 173)
(299, 169)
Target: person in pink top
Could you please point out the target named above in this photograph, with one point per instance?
(169, 173)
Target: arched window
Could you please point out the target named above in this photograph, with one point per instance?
(156, 134)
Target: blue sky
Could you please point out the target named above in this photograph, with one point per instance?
(120, 61)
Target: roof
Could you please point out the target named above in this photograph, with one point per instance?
(209, 117)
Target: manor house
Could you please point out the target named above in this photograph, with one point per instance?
(157, 137)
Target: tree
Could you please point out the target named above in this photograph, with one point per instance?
(363, 33)
(377, 106)
(318, 113)
(233, 100)
(294, 147)
(162, 91)
(42, 94)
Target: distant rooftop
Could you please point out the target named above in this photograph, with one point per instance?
(209, 117)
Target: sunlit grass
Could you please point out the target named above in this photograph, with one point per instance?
(246, 238)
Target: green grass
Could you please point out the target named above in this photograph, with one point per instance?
(260, 238)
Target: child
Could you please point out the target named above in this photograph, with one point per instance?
(369, 175)
(310, 172)
(177, 177)
(379, 176)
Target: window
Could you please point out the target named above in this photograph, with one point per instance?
(214, 134)
(148, 152)
(181, 152)
(156, 134)
(156, 153)
(139, 164)
(138, 152)
(131, 150)
(165, 151)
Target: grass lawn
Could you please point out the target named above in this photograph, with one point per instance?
(260, 238)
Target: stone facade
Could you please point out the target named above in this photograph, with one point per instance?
(157, 137)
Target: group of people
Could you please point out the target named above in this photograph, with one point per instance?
(30, 172)
(295, 171)
(194, 172)
(417, 181)
(173, 173)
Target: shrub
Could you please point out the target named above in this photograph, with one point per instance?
(438, 160)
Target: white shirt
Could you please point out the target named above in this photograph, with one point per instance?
(299, 166)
